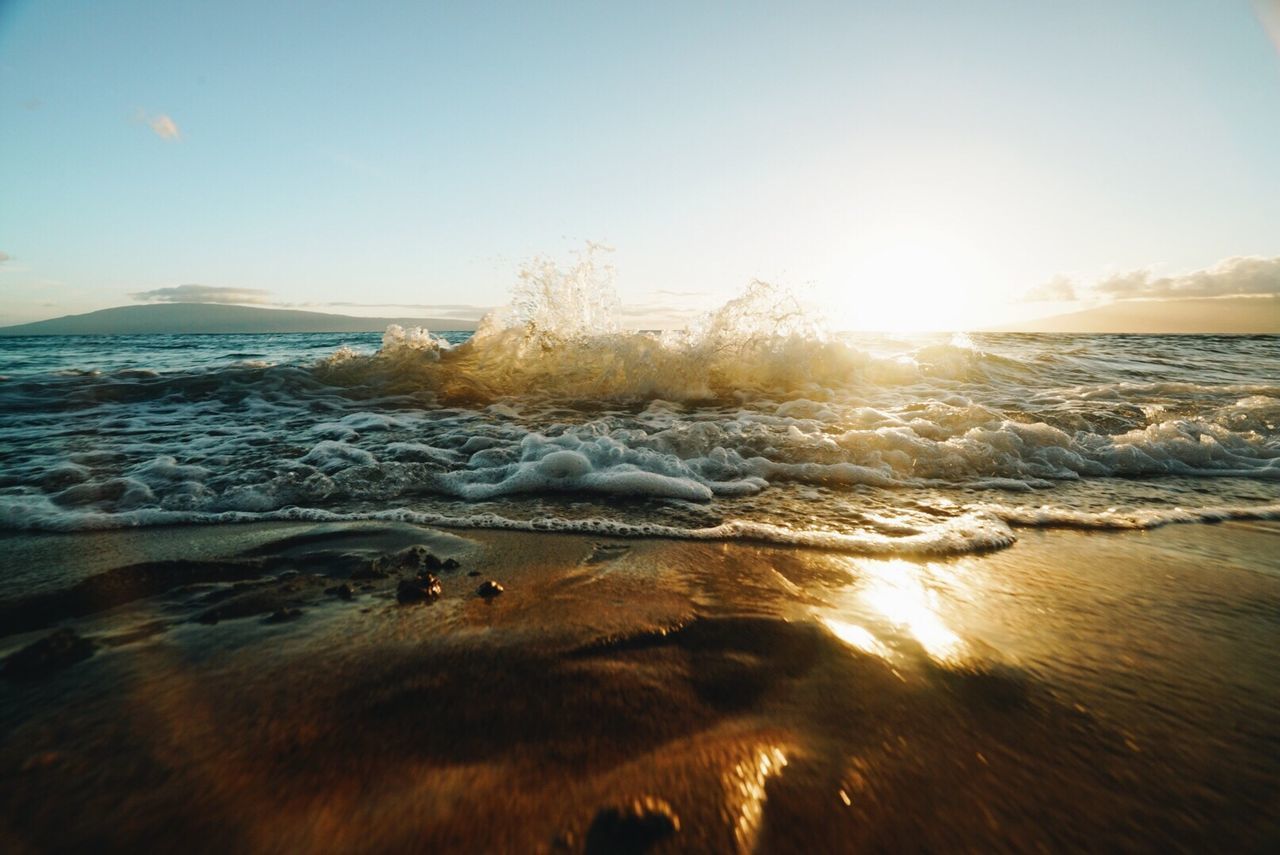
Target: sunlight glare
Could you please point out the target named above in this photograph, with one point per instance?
(910, 280)
(898, 593)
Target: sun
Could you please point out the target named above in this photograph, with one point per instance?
(909, 280)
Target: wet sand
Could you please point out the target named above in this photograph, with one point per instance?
(224, 691)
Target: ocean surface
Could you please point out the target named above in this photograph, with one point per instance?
(754, 424)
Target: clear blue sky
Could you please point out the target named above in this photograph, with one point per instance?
(415, 153)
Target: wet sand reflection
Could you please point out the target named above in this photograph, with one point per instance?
(903, 601)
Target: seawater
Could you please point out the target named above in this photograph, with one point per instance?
(754, 423)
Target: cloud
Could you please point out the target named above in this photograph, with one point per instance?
(203, 294)
(1233, 277)
(1057, 289)
(1268, 12)
(455, 311)
(4, 256)
(1242, 276)
(161, 123)
(439, 307)
(165, 127)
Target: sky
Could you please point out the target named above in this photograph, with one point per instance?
(898, 162)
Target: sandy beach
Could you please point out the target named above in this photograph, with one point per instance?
(260, 688)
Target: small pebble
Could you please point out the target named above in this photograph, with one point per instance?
(490, 589)
(419, 590)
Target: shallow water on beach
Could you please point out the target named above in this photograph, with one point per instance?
(755, 424)
(1080, 691)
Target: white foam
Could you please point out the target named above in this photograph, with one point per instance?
(416, 339)
(964, 534)
(599, 465)
(333, 455)
(1147, 518)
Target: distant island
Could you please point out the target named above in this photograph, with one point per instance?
(1230, 315)
(170, 318)
(1227, 315)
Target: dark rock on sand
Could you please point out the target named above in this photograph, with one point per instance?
(342, 592)
(414, 559)
(49, 654)
(474, 573)
(423, 589)
(490, 589)
(451, 564)
(632, 828)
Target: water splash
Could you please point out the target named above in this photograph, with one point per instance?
(550, 304)
(561, 337)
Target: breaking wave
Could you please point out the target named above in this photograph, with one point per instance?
(559, 339)
(754, 422)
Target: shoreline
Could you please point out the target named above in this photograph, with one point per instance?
(1105, 689)
(981, 529)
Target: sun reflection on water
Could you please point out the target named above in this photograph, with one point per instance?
(896, 592)
(747, 787)
(856, 636)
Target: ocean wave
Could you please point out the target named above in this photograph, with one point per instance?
(755, 412)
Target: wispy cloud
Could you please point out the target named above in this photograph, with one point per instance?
(203, 294)
(165, 127)
(465, 307)
(4, 256)
(1233, 277)
(455, 311)
(162, 124)
(1268, 12)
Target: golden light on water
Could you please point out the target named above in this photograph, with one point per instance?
(895, 592)
(856, 636)
(747, 787)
